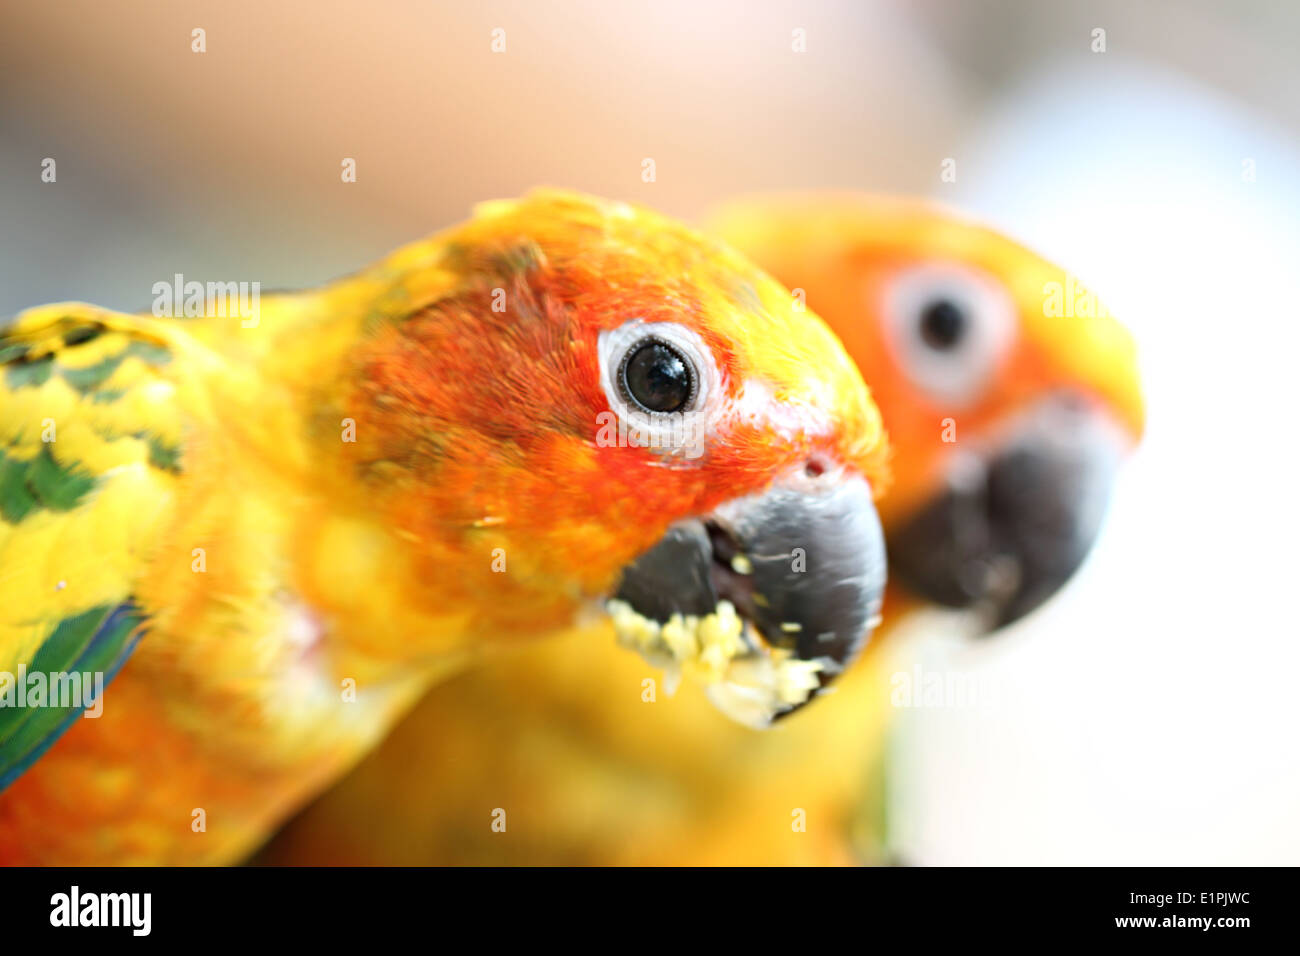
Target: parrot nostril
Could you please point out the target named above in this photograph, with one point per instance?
(814, 468)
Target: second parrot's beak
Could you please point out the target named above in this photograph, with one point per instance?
(768, 597)
(1017, 518)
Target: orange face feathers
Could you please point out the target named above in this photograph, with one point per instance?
(498, 398)
(872, 264)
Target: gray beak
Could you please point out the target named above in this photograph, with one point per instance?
(1017, 519)
(803, 563)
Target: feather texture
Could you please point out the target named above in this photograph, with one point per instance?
(300, 509)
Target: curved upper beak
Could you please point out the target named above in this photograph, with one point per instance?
(1016, 519)
(802, 563)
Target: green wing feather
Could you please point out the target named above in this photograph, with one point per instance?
(89, 451)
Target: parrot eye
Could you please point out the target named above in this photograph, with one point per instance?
(942, 324)
(657, 376)
(948, 327)
(662, 382)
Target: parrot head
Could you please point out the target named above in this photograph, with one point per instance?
(604, 405)
(1009, 392)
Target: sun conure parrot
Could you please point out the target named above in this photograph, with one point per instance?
(1006, 419)
(282, 526)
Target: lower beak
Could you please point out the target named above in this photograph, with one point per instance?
(1016, 520)
(767, 598)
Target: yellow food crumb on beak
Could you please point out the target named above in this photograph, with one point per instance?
(747, 681)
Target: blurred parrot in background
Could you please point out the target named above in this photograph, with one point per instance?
(282, 523)
(1010, 396)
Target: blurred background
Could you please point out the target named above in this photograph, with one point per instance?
(1147, 714)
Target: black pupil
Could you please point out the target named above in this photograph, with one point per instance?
(942, 324)
(657, 377)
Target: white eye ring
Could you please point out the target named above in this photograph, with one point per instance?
(958, 373)
(680, 432)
